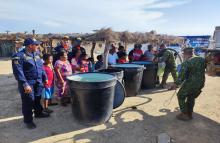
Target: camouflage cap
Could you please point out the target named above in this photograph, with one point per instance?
(188, 50)
(19, 40)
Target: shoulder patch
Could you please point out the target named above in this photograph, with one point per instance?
(15, 62)
(15, 58)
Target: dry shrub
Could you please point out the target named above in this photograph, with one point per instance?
(107, 35)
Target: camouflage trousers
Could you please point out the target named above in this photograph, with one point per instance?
(186, 99)
(166, 73)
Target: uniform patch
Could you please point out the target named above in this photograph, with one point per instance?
(15, 62)
(15, 58)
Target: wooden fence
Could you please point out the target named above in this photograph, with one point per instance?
(6, 48)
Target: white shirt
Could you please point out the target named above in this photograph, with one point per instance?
(112, 58)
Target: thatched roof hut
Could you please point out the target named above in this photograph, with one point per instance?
(105, 35)
(128, 37)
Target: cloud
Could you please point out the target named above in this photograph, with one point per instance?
(166, 4)
(86, 15)
(52, 23)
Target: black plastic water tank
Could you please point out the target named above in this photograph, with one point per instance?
(120, 92)
(132, 77)
(92, 97)
(149, 75)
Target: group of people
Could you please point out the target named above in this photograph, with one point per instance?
(37, 77)
(120, 56)
(190, 78)
(151, 54)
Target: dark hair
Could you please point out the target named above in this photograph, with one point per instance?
(61, 54)
(121, 54)
(83, 55)
(91, 60)
(121, 48)
(150, 47)
(75, 52)
(99, 57)
(139, 46)
(46, 57)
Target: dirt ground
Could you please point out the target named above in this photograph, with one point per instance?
(127, 125)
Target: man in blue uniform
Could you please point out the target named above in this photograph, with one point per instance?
(28, 71)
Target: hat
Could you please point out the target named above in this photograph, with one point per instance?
(79, 39)
(188, 50)
(66, 37)
(30, 41)
(19, 40)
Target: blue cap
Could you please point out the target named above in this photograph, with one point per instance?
(30, 41)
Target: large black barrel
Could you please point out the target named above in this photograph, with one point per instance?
(149, 75)
(92, 97)
(118, 73)
(132, 77)
(119, 88)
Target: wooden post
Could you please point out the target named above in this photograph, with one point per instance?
(105, 56)
(33, 32)
(126, 46)
(51, 45)
(92, 50)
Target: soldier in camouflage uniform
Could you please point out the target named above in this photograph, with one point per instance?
(192, 79)
(168, 57)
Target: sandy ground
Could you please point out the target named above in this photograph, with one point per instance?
(126, 126)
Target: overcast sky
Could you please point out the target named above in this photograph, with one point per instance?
(177, 17)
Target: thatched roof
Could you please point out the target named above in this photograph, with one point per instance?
(104, 34)
(128, 37)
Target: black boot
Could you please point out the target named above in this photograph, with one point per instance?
(42, 115)
(190, 115)
(31, 125)
(47, 110)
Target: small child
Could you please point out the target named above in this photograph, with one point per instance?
(49, 86)
(84, 63)
(75, 61)
(99, 63)
(122, 58)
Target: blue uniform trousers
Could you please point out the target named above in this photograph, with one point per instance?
(31, 102)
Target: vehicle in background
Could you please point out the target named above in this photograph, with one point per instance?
(216, 37)
(213, 54)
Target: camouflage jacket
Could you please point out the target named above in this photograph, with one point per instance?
(168, 57)
(192, 73)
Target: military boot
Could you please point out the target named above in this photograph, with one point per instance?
(183, 117)
(162, 86)
(190, 115)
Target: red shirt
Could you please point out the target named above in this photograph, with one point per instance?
(137, 54)
(122, 60)
(84, 66)
(50, 76)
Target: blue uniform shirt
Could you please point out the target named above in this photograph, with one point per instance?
(28, 68)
